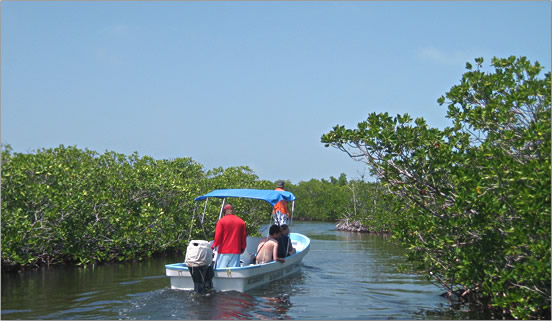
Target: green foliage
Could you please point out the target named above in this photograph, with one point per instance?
(77, 206)
(473, 198)
(338, 199)
(319, 200)
(371, 206)
(65, 204)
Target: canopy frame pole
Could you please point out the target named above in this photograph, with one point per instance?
(269, 223)
(222, 207)
(204, 210)
(292, 209)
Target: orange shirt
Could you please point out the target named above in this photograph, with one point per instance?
(281, 206)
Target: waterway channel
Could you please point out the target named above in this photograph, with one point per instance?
(344, 276)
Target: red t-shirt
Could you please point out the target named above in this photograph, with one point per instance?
(230, 235)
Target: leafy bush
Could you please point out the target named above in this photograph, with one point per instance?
(338, 199)
(473, 198)
(71, 205)
(371, 206)
(320, 200)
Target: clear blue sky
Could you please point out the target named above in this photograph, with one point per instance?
(242, 83)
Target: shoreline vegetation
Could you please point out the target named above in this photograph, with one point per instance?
(67, 205)
(472, 199)
(471, 202)
(357, 227)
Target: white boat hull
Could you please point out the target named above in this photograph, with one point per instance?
(247, 276)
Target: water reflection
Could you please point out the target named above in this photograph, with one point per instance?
(345, 276)
(172, 304)
(233, 305)
(274, 306)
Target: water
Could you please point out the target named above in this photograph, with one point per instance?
(344, 276)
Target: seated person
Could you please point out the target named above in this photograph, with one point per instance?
(284, 242)
(267, 250)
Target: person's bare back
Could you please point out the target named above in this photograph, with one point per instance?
(266, 251)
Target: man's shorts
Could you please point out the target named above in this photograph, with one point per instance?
(227, 260)
(280, 218)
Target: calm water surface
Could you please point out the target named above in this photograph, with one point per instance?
(344, 276)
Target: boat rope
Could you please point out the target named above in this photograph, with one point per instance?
(200, 221)
(192, 224)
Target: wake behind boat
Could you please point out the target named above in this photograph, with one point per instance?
(248, 275)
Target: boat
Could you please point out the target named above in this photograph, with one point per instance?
(249, 275)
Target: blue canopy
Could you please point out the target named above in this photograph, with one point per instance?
(270, 196)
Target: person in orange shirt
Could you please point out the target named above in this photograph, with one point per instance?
(230, 239)
(281, 210)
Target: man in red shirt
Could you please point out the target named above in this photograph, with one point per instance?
(230, 238)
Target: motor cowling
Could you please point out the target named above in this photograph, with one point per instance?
(199, 260)
(199, 253)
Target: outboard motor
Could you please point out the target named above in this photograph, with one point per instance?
(199, 260)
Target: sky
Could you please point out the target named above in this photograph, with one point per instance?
(242, 83)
